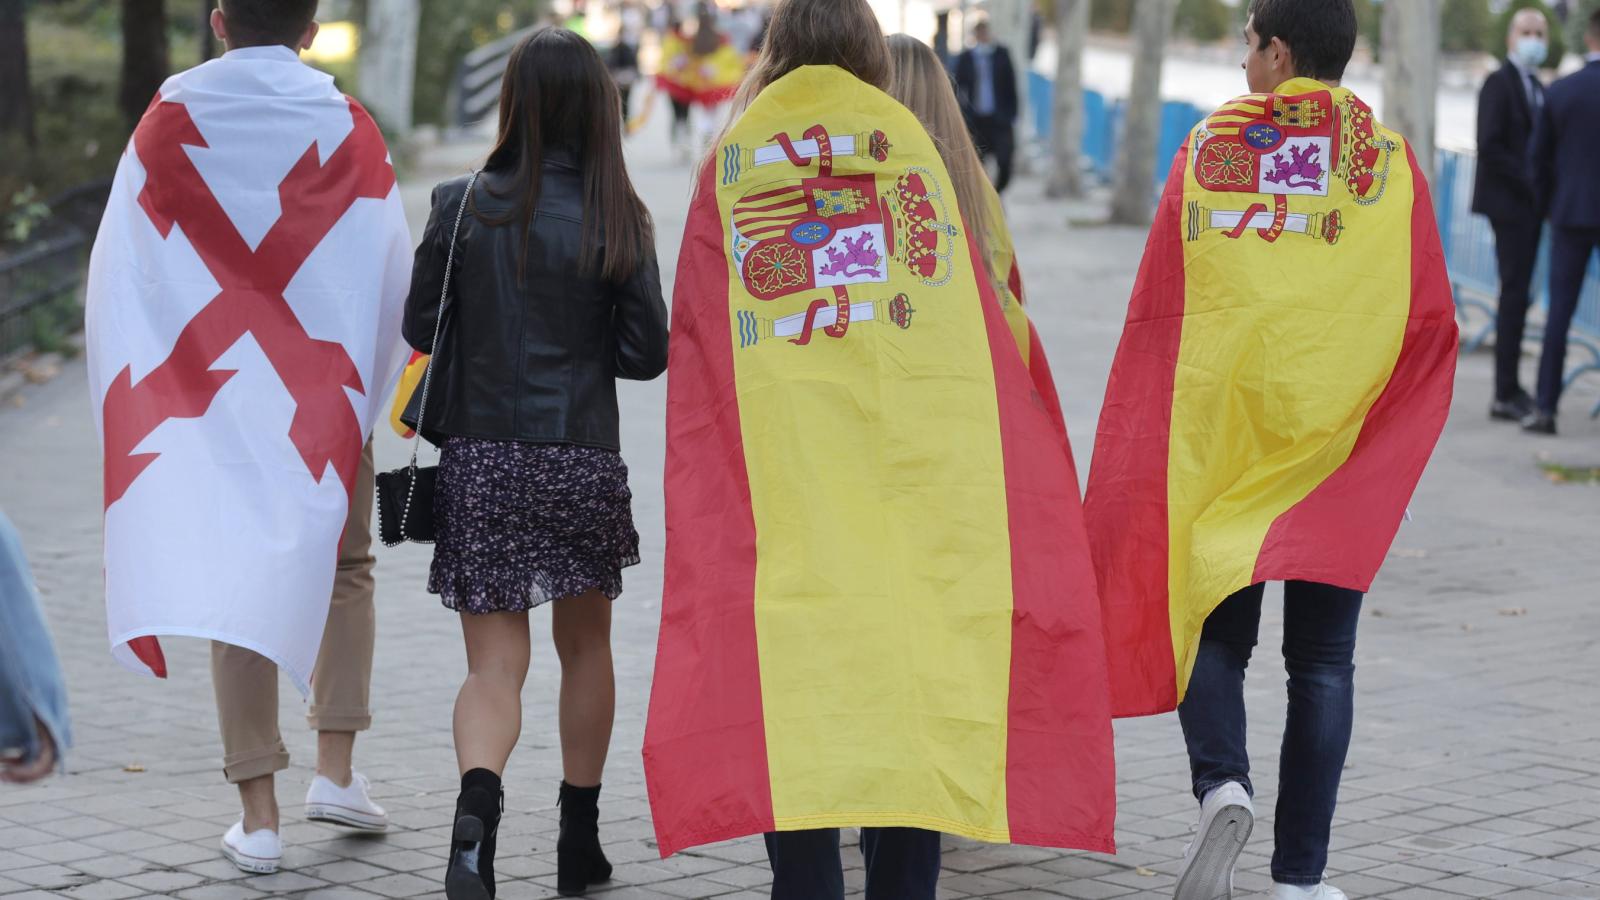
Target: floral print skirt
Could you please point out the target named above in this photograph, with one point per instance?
(519, 524)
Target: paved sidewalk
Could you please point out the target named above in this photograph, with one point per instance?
(1475, 773)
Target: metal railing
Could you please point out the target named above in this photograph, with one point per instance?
(1474, 273)
(41, 282)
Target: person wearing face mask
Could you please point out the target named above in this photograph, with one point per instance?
(1508, 106)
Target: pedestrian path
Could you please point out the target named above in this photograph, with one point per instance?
(1475, 770)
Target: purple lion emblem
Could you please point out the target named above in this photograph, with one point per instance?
(1302, 170)
(856, 259)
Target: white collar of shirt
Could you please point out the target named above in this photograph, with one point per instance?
(1524, 70)
(1592, 57)
(274, 53)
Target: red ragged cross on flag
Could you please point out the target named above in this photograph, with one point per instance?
(197, 276)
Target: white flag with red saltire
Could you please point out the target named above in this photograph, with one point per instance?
(243, 315)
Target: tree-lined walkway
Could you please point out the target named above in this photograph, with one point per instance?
(1475, 772)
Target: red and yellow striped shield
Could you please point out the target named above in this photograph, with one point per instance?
(1284, 374)
(879, 605)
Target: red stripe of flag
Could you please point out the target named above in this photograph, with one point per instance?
(708, 775)
(1347, 510)
(1129, 540)
(1060, 771)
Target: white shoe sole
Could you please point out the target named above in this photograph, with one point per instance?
(255, 865)
(345, 817)
(1209, 875)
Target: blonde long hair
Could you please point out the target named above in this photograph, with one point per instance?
(843, 33)
(922, 85)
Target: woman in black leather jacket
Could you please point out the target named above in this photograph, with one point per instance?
(553, 295)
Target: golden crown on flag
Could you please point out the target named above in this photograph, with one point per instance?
(925, 238)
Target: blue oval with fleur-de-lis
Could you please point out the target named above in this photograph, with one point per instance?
(1263, 137)
(809, 234)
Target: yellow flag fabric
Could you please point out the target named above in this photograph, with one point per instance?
(878, 606)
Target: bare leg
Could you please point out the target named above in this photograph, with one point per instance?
(582, 633)
(488, 717)
(334, 750)
(260, 803)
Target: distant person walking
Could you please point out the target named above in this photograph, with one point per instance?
(1567, 166)
(986, 84)
(1508, 108)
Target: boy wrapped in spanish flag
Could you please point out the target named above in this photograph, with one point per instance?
(1283, 377)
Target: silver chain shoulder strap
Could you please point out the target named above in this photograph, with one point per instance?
(438, 322)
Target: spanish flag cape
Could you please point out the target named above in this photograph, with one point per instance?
(879, 605)
(707, 80)
(1283, 376)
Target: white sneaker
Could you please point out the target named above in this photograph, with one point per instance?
(1226, 819)
(349, 807)
(257, 852)
(1323, 891)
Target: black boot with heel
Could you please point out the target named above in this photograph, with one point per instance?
(470, 872)
(579, 860)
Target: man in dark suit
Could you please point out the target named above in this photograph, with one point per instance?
(986, 84)
(1508, 107)
(1566, 164)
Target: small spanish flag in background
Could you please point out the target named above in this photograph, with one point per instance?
(1284, 374)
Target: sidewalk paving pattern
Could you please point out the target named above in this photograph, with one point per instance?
(1475, 770)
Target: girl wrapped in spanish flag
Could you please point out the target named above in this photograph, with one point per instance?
(879, 609)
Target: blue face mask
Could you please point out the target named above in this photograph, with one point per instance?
(1530, 51)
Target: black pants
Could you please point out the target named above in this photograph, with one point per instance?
(1319, 643)
(1516, 248)
(1570, 249)
(680, 120)
(902, 864)
(994, 137)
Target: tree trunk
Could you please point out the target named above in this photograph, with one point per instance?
(389, 62)
(208, 38)
(1411, 74)
(145, 63)
(1066, 117)
(1136, 163)
(16, 101)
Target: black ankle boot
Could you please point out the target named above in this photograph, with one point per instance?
(579, 860)
(470, 872)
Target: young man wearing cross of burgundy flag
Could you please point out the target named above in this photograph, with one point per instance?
(243, 326)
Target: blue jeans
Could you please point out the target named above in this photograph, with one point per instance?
(1319, 642)
(902, 864)
(31, 689)
(1570, 249)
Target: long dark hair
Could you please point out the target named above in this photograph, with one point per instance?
(557, 95)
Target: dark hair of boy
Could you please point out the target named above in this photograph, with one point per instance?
(1320, 34)
(263, 23)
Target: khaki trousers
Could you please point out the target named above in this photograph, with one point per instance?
(246, 682)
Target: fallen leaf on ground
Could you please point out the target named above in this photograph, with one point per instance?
(133, 767)
(1514, 611)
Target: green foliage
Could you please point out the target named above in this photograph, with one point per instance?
(27, 212)
(1495, 40)
(1206, 21)
(448, 32)
(73, 55)
(1111, 15)
(1466, 26)
(1369, 24)
(1577, 21)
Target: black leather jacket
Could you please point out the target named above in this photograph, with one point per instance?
(535, 361)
